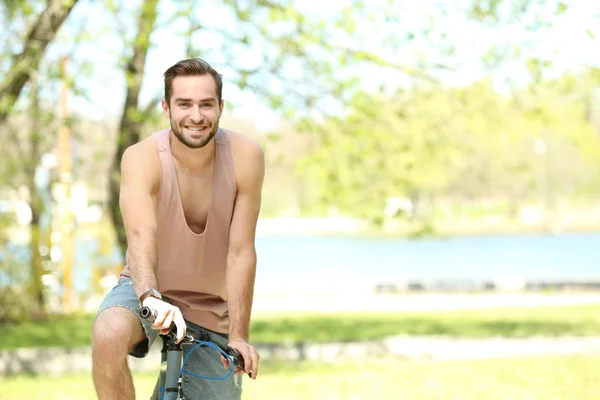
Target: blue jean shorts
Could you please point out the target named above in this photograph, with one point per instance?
(203, 361)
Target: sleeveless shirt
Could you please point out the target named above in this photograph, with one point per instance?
(191, 267)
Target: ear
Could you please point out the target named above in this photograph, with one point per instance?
(221, 106)
(165, 108)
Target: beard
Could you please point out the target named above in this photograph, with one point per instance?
(193, 143)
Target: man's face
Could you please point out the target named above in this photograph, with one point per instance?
(194, 110)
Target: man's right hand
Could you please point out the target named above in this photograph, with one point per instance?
(166, 314)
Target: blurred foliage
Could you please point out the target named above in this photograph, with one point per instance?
(33, 41)
(15, 303)
(132, 117)
(463, 143)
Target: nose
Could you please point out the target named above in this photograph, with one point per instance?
(195, 114)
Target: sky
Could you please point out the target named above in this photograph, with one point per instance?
(567, 43)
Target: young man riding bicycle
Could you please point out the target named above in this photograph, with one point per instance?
(190, 199)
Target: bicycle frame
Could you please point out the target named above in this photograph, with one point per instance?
(168, 384)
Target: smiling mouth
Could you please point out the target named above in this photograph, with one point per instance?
(194, 129)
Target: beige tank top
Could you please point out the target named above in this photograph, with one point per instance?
(191, 267)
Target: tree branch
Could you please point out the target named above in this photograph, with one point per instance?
(42, 32)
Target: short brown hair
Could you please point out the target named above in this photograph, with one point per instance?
(191, 67)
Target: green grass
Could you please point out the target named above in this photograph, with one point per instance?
(539, 378)
(516, 322)
(58, 330)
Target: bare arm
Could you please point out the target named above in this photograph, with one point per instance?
(139, 181)
(241, 260)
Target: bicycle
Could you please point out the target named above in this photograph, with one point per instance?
(169, 382)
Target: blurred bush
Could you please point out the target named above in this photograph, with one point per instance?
(15, 302)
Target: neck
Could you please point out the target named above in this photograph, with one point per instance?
(192, 159)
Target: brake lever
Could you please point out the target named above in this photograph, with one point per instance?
(238, 360)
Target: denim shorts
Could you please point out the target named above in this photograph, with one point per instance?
(206, 361)
(124, 296)
(203, 361)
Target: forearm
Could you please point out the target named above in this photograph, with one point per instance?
(142, 260)
(241, 272)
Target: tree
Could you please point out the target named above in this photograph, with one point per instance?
(21, 160)
(132, 118)
(37, 208)
(462, 144)
(37, 39)
(409, 143)
(388, 146)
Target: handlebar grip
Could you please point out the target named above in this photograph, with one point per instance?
(237, 357)
(148, 313)
(238, 360)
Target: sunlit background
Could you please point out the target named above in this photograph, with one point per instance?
(431, 195)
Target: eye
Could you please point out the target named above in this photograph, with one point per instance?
(184, 105)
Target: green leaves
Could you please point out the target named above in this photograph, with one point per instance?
(455, 142)
(561, 8)
(18, 7)
(536, 67)
(485, 10)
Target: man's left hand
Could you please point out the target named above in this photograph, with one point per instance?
(249, 354)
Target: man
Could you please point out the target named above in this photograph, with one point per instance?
(190, 199)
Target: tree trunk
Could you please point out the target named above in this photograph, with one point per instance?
(132, 117)
(36, 205)
(42, 32)
(37, 287)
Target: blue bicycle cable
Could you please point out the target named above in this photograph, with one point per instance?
(212, 346)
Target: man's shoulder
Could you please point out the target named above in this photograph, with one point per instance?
(242, 145)
(143, 157)
(248, 159)
(145, 148)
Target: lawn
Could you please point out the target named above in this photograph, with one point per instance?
(543, 378)
(516, 322)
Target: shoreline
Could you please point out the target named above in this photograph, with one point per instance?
(437, 233)
(413, 302)
(324, 227)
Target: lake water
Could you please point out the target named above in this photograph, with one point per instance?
(339, 259)
(293, 261)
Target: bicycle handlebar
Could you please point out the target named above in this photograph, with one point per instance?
(150, 314)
